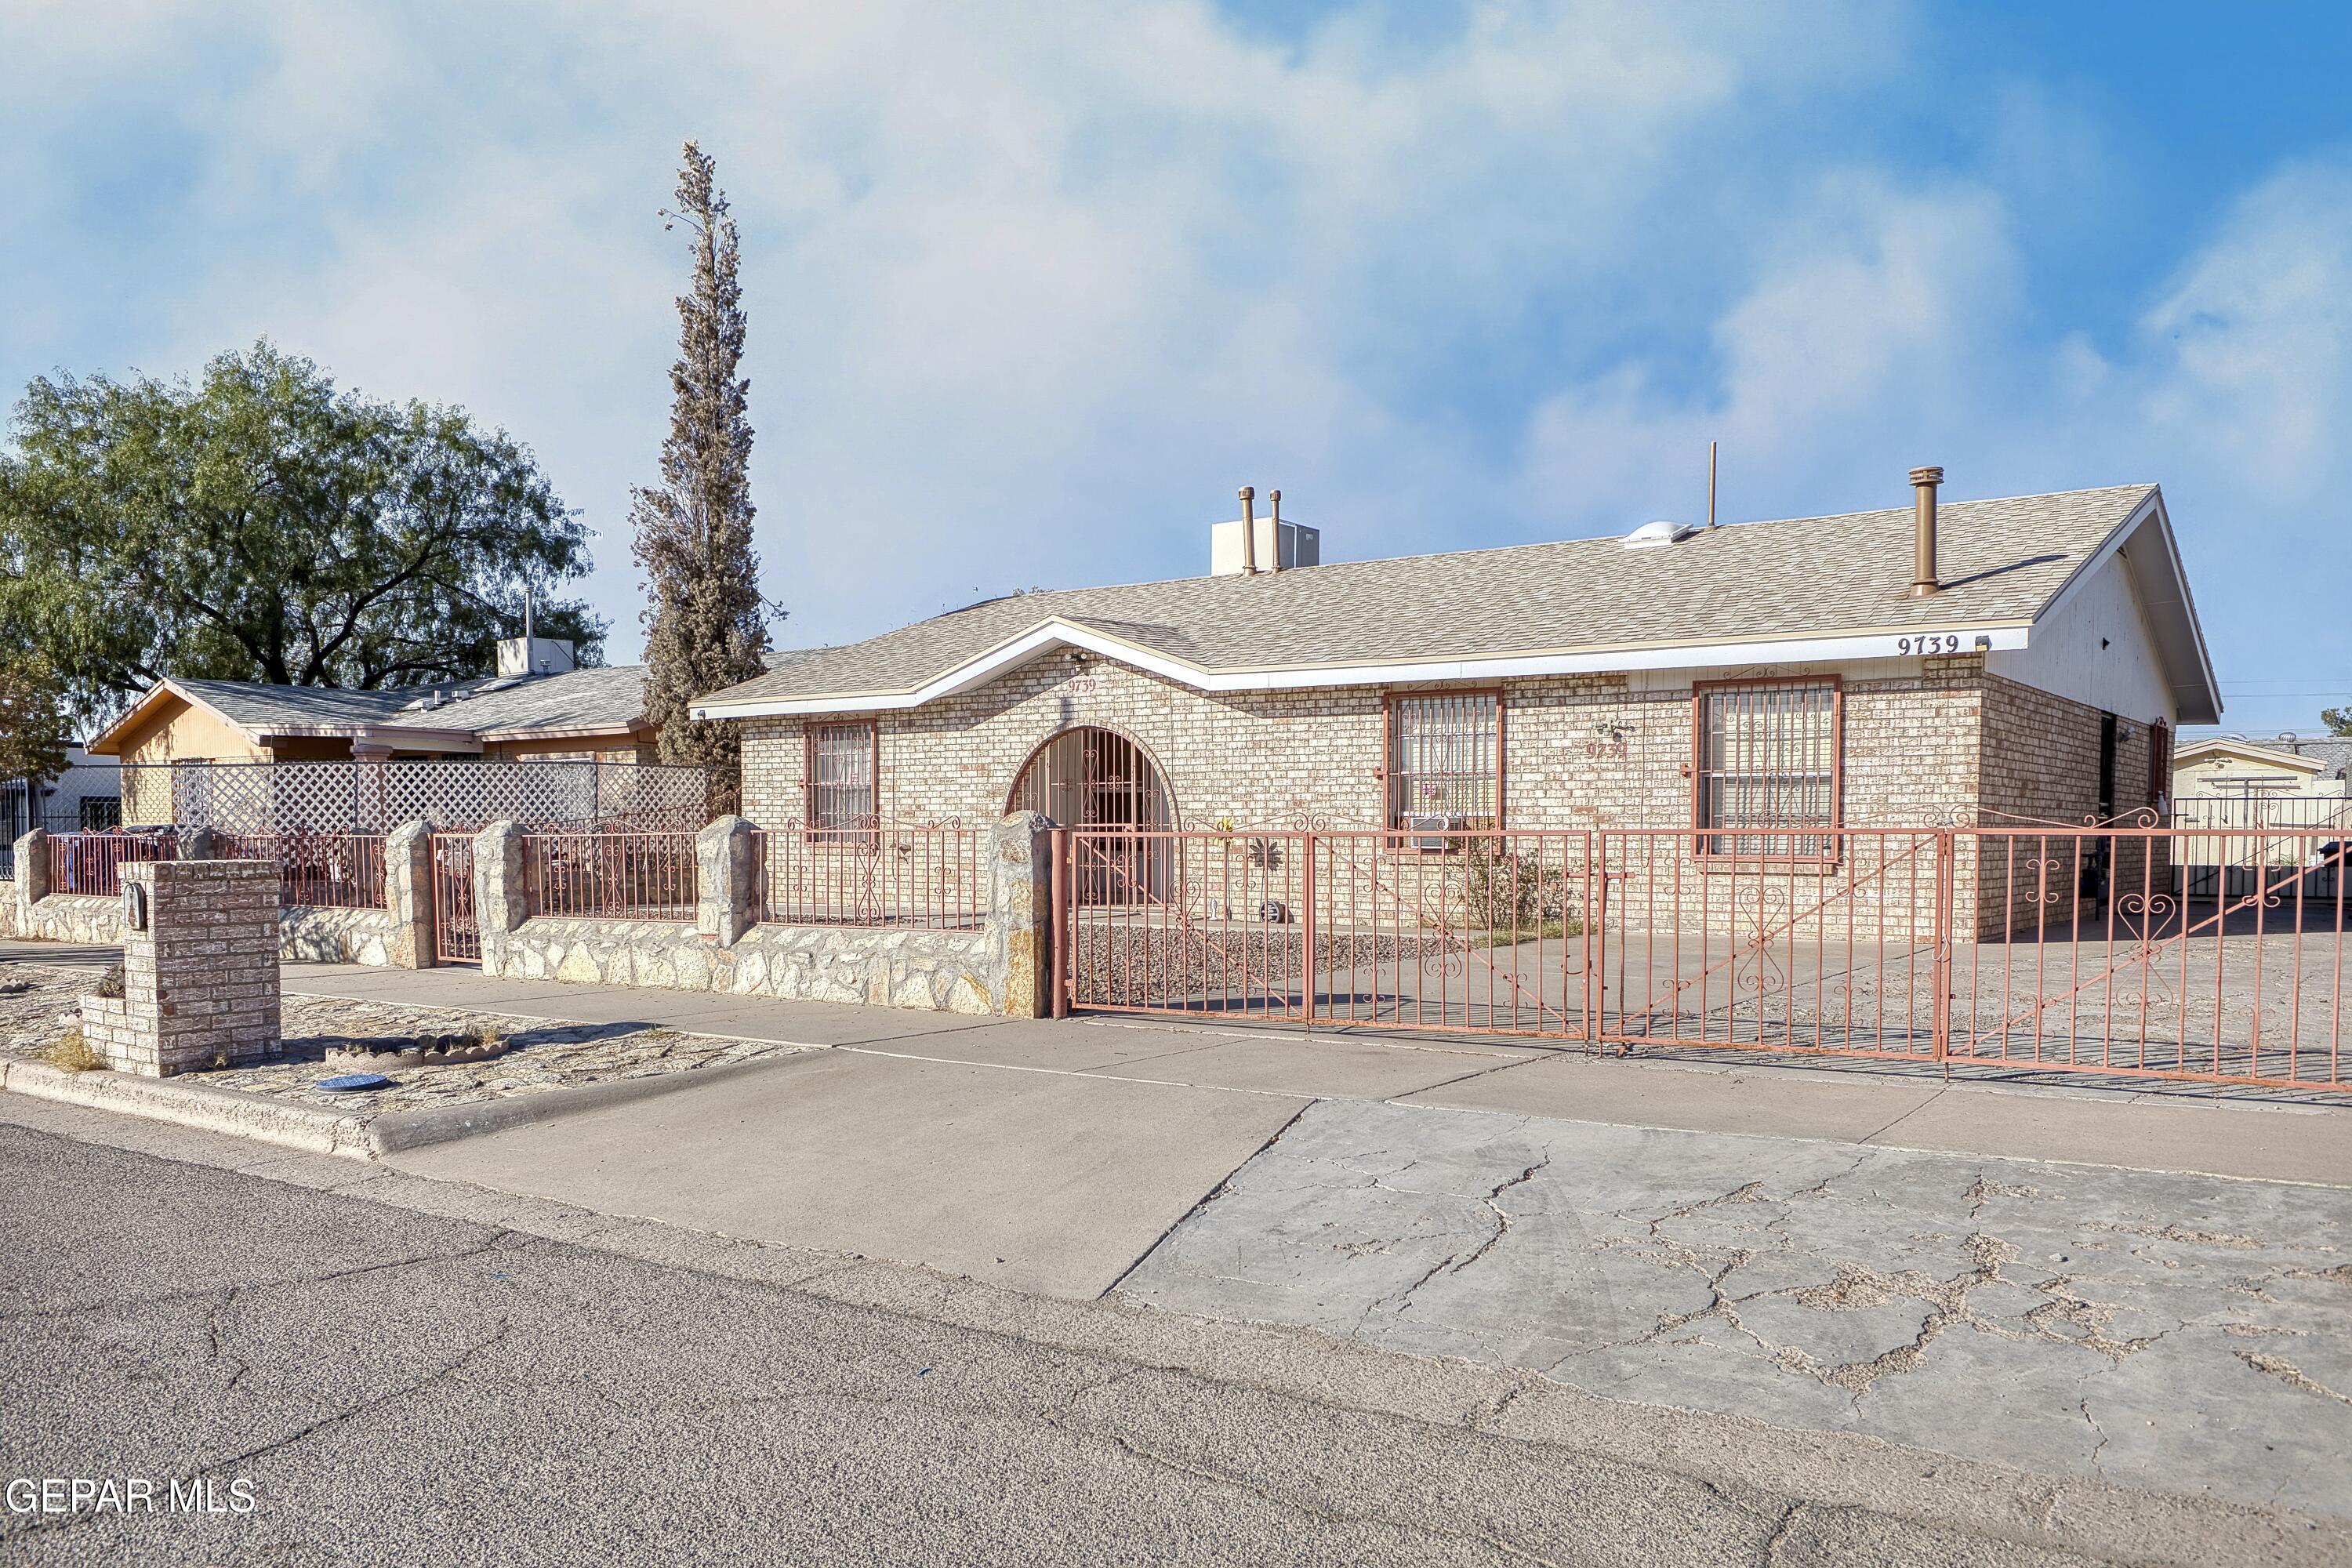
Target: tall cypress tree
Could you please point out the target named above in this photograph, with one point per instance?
(703, 627)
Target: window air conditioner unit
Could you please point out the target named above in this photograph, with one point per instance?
(1427, 828)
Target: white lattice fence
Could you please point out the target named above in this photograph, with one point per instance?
(373, 798)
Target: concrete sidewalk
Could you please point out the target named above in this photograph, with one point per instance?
(1730, 1092)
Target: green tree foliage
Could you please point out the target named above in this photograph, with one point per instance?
(2337, 719)
(704, 628)
(256, 524)
(33, 736)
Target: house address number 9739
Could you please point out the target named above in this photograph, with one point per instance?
(1937, 642)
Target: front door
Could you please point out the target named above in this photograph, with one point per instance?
(1098, 779)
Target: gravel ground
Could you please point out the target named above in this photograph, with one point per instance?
(543, 1055)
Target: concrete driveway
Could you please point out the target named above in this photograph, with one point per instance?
(1045, 1181)
(2183, 1332)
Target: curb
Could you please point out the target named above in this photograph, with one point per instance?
(270, 1120)
(395, 1130)
(194, 1105)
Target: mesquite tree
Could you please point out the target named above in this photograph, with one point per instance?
(258, 523)
(704, 627)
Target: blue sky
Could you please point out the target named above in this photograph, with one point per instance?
(1033, 289)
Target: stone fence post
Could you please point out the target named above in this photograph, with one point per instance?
(32, 876)
(408, 895)
(502, 901)
(726, 901)
(1020, 914)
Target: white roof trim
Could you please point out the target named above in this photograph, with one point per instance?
(1997, 635)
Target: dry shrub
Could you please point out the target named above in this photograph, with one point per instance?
(73, 1053)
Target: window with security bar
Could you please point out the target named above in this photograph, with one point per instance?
(839, 785)
(1766, 768)
(1446, 760)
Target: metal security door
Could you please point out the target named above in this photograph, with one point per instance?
(456, 933)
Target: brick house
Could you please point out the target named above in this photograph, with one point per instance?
(2021, 660)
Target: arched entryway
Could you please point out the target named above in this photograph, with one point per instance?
(1087, 777)
(1096, 780)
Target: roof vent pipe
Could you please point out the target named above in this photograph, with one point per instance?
(1273, 522)
(1923, 550)
(1249, 530)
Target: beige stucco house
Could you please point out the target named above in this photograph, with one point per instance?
(537, 706)
(2236, 771)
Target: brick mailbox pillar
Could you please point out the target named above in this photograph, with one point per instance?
(199, 970)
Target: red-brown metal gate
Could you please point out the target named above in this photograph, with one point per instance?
(456, 933)
(2085, 949)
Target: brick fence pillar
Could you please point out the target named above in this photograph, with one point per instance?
(408, 895)
(200, 980)
(1020, 914)
(502, 901)
(726, 902)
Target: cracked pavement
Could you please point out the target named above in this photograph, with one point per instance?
(2179, 1332)
(418, 1372)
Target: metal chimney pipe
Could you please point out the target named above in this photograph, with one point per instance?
(1923, 548)
(1274, 516)
(1249, 532)
(1710, 484)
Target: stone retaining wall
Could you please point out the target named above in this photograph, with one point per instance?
(940, 971)
(71, 917)
(997, 967)
(310, 934)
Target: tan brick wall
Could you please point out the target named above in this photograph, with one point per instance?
(2040, 766)
(200, 982)
(1580, 751)
(1944, 745)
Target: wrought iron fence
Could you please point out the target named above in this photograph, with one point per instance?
(2007, 949)
(91, 863)
(319, 870)
(925, 875)
(611, 876)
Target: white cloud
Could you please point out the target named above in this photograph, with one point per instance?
(1032, 288)
(2250, 352)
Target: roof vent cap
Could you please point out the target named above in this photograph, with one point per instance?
(1651, 535)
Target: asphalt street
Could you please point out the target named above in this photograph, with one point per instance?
(417, 1372)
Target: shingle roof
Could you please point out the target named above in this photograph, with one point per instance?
(2332, 755)
(258, 705)
(2001, 562)
(575, 699)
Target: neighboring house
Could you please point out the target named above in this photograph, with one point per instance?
(2285, 780)
(539, 708)
(520, 710)
(1767, 674)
